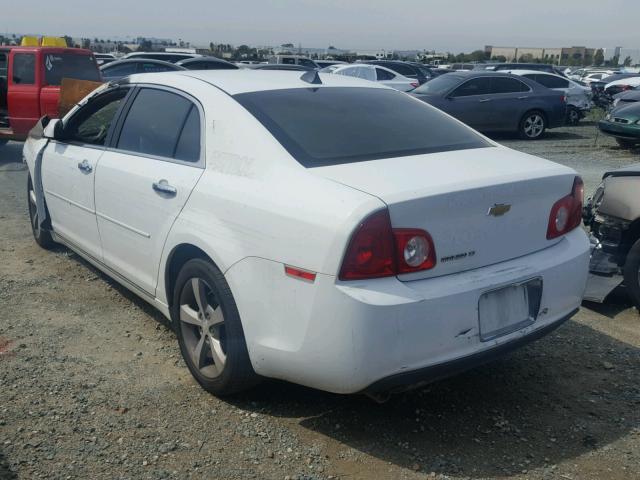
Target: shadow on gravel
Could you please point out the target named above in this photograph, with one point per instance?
(10, 154)
(5, 472)
(617, 302)
(549, 136)
(568, 394)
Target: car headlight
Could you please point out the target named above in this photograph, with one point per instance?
(608, 116)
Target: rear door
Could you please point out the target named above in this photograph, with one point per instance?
(509, 101)
(69, 166)
(23, 91)
(143, 182)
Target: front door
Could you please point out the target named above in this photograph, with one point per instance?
(68, 170)
(471, 103)
(143, 183)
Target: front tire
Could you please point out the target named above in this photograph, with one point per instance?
(532, 126)
(209, 330)
(626, 144)
(42, 237)
(632, 273)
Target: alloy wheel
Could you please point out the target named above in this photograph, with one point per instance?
(203, 328)
(534, 125)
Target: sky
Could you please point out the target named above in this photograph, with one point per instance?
(442, 25)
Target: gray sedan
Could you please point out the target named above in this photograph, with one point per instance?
(496, 102)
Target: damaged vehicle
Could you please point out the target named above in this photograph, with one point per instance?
(315, 228)
(613, 216)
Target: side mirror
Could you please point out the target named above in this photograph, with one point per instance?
(54, 130)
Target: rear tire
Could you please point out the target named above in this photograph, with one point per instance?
(626, 144)
(632, 273)
(532, 126)
(209, 330)
(573, 115)
(42, 237)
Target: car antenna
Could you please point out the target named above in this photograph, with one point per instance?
(311, 77)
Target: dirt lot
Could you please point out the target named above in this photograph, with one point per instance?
(92, 385)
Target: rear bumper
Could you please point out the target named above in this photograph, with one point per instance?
(348, 337)
(415, 378)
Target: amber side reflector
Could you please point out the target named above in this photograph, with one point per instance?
(301, 274)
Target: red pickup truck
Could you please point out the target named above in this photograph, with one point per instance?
(30, 80)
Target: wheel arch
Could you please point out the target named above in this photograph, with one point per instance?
(179, 255)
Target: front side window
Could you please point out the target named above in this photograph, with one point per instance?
(24, 69)
(155, 124)
(91, 124)
(69, 65)
(337, 125)
(475, 86)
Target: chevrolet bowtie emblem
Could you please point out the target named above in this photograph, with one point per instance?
(499, 209)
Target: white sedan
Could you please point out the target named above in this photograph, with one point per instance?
(319, 229)
(377, 73)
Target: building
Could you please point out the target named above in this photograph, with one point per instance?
(577, 56)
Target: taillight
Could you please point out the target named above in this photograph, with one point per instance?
(566, 213)
(415, 84)
(376, 250)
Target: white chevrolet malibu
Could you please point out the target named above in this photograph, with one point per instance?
(318, 229)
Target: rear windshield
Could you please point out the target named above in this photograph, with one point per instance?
(440, 85)
(336, 125)
(69, 65)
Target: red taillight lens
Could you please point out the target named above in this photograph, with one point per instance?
(566, 213)
(376, 250)
(415, 84)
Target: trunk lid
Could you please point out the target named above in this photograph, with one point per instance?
(451, 195)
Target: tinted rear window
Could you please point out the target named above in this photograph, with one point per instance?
(68, 65)
(336, 125)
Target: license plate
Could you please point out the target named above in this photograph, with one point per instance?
(507, 309)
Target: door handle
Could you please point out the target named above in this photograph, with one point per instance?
(85, 167)
(162, 186)
(485, 100)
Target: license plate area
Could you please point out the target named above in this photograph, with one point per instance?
(510, 308)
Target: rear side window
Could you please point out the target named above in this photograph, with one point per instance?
(384, 75)
(68, 65)
(120, 70)
(507, 85)
(155, 123)
(24, 69)
(550, 81)
(336, 125)
(150, 67)
(405, 70)
(188, 146)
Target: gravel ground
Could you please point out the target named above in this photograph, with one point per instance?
(92, 385)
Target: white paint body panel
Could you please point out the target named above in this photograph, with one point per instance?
(255, 209)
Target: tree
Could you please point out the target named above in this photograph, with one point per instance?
(86, 43)
(499, 58)
(627, 62)
(598, 58)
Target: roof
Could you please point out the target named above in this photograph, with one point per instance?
(235, 82)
